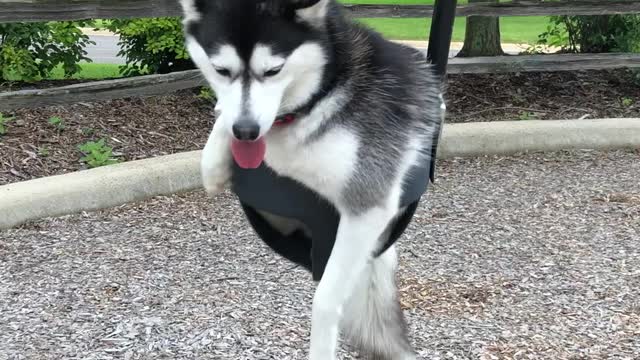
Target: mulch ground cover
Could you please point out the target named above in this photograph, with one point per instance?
(532, 256)
(136, 128)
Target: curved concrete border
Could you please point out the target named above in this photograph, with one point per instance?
(119, 184)
(508, 137)
(98, 188)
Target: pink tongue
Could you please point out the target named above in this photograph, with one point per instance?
(248, 154)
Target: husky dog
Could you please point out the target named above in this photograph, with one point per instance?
(336, 107)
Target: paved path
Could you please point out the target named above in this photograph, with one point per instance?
(534, 256)
(105, 51)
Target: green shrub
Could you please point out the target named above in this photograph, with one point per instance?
(593, 34)
(206, 93)
(3, 124)
(525, 115)
(57, 122)
(97, 153)
(151, 46)
(43, 151)
(29, 51)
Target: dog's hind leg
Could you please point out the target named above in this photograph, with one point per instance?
(373, 319)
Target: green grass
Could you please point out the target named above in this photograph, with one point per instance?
(400, 2)
(100, 23)
(515, 29)
(394, 2)
(90, 71)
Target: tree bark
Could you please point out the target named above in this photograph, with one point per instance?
(482, 36)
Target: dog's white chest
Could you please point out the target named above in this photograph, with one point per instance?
(324, 165)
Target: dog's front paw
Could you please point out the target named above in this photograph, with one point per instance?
(215, 178)
(325, 356)
(215, 184)
(215, 163)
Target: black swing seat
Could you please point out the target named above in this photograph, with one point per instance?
(261, 190)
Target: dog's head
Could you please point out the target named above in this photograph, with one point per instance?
(262, 58)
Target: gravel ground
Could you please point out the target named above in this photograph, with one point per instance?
(526, 257)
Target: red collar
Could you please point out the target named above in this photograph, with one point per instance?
(285, 119)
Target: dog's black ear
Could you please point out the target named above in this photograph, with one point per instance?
(192, 10)
(302, 4)
(310, 11)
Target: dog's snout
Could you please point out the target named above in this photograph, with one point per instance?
(246, 130)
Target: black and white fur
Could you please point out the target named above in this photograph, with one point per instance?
(370, 109)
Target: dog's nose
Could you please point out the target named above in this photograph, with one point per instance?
(246, 130)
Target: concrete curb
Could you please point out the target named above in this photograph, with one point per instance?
(457, 45)
(119, 184)
(99, 188)
(508, 137)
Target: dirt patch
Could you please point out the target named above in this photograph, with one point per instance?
(134, 128)
(446, 297)
(621, 198)
(140, 128)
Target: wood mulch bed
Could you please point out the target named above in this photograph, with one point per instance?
(140, 128)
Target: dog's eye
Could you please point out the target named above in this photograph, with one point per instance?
(224, 72)
(273, 72)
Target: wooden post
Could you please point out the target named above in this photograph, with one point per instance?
(444, 15)
(442, 22)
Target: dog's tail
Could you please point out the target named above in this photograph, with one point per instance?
(373, 319)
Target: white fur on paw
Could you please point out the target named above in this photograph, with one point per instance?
(323, 357)
(215, 180)
(322, 353)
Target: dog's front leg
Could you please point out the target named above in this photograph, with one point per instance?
(215, 163)
(356, 241)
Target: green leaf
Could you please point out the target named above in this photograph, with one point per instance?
(152, 45)
(31, 50)
(97, 153)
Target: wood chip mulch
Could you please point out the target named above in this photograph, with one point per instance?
(140, 128)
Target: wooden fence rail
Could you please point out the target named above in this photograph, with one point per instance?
(141, 86)
(163, 84)
(48, 10)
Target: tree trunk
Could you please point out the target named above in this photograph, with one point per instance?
(482, 36)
